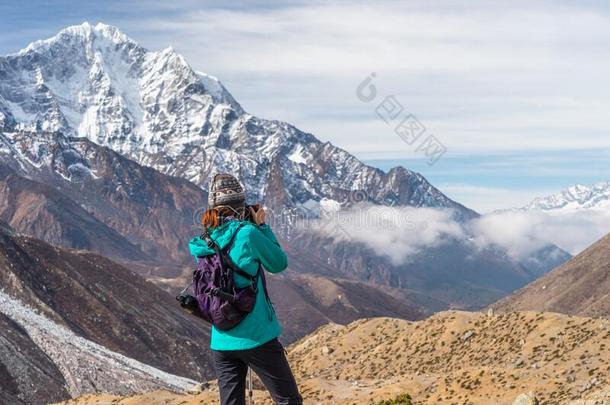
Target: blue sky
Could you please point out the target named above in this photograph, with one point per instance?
(516, 91)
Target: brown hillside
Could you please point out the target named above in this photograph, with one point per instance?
(579, 287)
(104, 302)
(37, 209)
(450, 358)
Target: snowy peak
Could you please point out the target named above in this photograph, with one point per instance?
(80, 34)
(596, 196)
(94, 82)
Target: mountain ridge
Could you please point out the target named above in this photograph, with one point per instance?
(578, 197)
(155, 109)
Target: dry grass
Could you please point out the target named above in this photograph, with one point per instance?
(449, 358)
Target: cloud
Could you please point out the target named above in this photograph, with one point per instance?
(401, 232)
(523, 232)
(398, 233)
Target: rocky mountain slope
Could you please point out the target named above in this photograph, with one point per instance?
(75, 365)
(579, 287)
(578, 197)
(38, 209)
(105, 303)
(24, 365)
(75, 193)
(449, 358)
(94, 82)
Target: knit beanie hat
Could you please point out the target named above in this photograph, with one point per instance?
(225, 189)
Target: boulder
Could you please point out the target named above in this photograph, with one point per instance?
(526, 399)
(467, 336)
(327, 350)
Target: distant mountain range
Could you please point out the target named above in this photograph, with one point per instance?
(578, 197)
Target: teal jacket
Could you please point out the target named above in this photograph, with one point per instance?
(252, 244)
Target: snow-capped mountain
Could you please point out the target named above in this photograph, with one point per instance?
(578, 197)
(94, 82)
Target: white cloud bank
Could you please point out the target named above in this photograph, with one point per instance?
(400, 233)
(522, 232)
(396, 232)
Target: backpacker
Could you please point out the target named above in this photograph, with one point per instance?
(218, 300)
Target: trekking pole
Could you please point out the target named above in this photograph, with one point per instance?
(250, 386)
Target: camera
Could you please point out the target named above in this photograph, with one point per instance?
(187, 301)
(248, 214)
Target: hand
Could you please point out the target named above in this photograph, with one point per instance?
(258, 216)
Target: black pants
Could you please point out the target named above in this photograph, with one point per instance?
(268, 361)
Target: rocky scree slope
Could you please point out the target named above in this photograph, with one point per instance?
(75, 365)
(27, 374)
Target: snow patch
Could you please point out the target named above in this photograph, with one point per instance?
(212, 85)
(297, 155)
(329, 205)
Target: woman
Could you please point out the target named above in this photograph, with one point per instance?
(254, 341)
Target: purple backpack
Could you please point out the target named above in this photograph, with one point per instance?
(219, 301)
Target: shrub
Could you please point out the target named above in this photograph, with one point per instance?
(402, 399)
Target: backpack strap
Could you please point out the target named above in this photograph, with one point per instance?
(225, 259)
(212, 243)
(270, 307)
